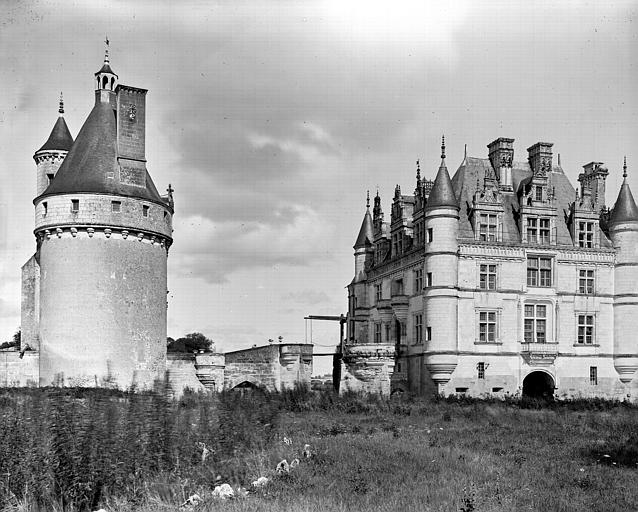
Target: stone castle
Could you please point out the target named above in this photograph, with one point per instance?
(94, 294)
(503, 279)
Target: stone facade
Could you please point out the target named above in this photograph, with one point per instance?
(500, 280)
(273, 367)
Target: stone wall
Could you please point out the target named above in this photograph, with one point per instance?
(209, 369)
(180, 370)
(16, 371)
(273, 367)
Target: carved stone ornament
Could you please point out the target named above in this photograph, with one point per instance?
(125, 234)
(90, 231)
(132, 112)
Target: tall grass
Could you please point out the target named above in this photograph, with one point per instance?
(79, 449)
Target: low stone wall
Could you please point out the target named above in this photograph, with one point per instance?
(180, 369)
(209, 369)
(19, 372)
(273, 367)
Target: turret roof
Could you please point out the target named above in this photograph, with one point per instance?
(625, 209)
(442, 193)
(60, 138)
(366, 232)
(92, 157)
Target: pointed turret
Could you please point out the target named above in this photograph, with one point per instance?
(365, 233)
(60, 138)
(442, 194)
(50, 156)
(108, 156)
(623, 231)
(625, 209)
(363, 248)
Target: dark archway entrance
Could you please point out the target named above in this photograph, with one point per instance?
(538, 385)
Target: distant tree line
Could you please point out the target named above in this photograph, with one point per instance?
(192, 342)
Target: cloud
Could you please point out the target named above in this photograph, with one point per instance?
(308, 297)
(214, 250)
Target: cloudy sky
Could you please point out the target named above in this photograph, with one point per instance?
(272, 118)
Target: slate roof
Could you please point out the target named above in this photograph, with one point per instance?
(472, 169)
(92, 156)
(60, 138)
(442, 193)
(625, 209)
(366, 235)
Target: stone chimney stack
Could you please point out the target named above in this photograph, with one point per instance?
(501, 153)
(540, 157)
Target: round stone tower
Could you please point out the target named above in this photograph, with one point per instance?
(441, 224)
(623, 231)
(103, 234)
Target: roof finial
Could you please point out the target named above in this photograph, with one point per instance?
(465, 152)
(558, 159)
(368, 199)
(624, 168)
(106, 52)
(443, 146)
(418, 171)
(61, 108)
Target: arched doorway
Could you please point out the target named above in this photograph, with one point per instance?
(539, 385)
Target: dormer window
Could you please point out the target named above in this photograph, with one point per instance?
(487, 227)
(539, 193)
(586, 234)
(538, 230)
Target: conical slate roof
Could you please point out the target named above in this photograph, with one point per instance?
(625, 209)
(92, 166)
(442, 194)
(60, 138)
(365, 233)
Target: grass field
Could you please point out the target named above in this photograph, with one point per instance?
(91, 449)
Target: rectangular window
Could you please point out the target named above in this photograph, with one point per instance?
(539, 271)
(50, 176)
(539, 193)
(377, 332)
(430, 235)
(535, 324)
(487, 227)
(586, 281)
(145, 210)
(538, 230)
(585, 330)
(116, 206)
(543, 231)
(593, 375)
(418, 328)
(418, 280)
(398, 287)
(387, 333)
(487, 326)
(428, 333)
(45, 209)
(428, 279)
(400, 243)
(378, 292)
(532, 227)
(586, 234)
(75, 205)
(480, 367)
(487, 277)
(419, 233)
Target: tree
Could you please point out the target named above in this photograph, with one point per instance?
(190, 343)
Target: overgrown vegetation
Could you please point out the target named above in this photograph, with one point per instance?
(82, 449)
